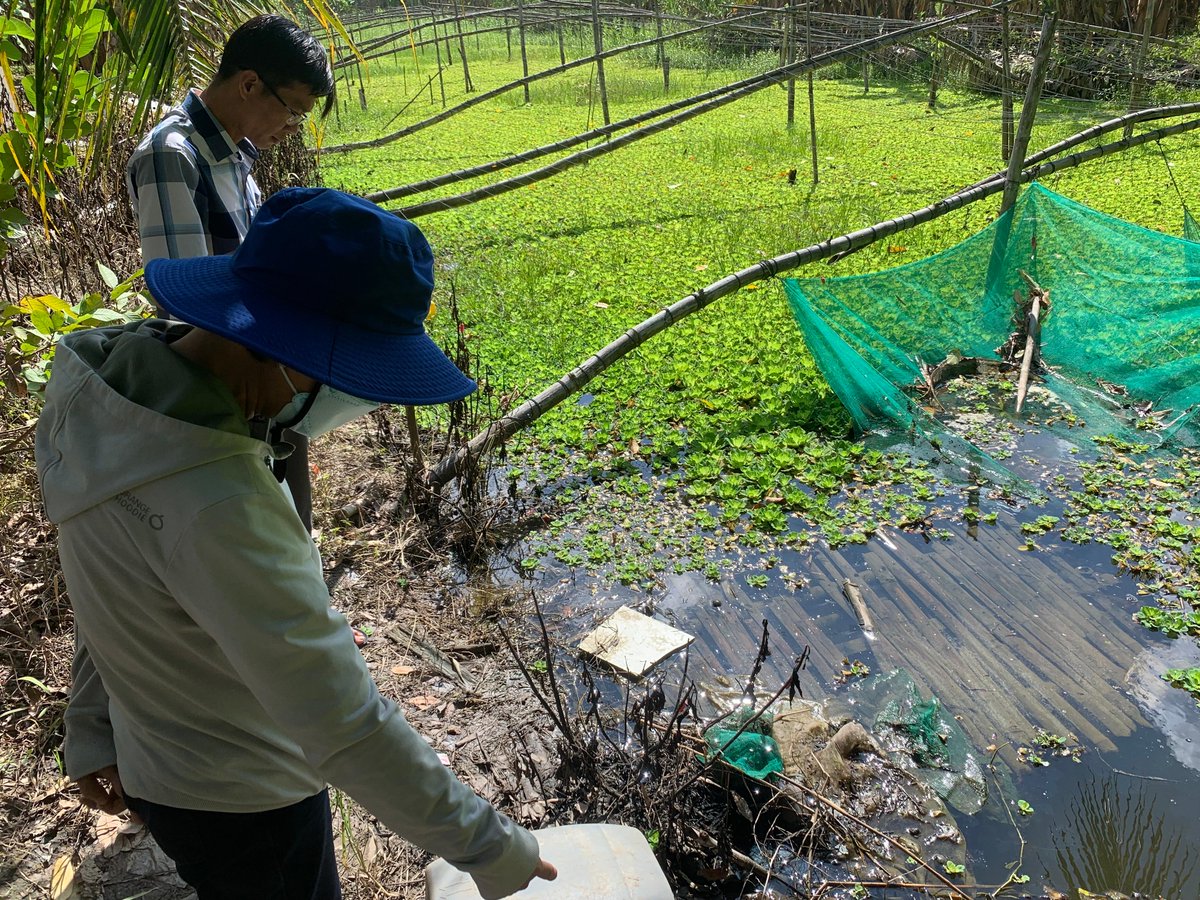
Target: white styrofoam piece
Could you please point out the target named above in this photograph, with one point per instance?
(594, 862)
(632, 642)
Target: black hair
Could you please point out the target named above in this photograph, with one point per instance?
(282, 53)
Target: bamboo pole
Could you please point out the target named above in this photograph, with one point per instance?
(524, 52)
(468, 86)
(562, 47)
(812, 100)
(789, 38)
(531, 410)
(1139, 64)
(598, 42)
(1006, 102)
(1033, 94)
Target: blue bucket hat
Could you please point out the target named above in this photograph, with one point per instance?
(330, 285)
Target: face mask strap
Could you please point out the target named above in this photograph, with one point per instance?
(308, 404)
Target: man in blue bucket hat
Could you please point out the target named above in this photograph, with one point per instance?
(216, 693)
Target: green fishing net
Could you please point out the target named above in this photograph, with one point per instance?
(919, 735)
(1122, 335)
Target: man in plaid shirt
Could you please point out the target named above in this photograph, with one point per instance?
(189, 178)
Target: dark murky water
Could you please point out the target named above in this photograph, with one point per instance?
(1121, 818)
(1010, 642)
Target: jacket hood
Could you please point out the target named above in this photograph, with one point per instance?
(123, 409)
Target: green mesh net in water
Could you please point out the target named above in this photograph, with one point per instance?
(1125, 311)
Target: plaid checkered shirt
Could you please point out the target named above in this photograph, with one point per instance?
(191, 187)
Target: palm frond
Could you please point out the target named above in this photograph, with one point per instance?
(82, 74)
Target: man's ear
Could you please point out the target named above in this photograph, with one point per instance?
(246, 79)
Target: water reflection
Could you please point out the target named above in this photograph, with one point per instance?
(1113, 838)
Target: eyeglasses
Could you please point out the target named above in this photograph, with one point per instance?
(296, 118)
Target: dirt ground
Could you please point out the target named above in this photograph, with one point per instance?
(434, 644)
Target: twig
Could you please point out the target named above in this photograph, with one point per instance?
(548, 654)
(561, 724)
(875, 831)
(1011, 879)
(21, 435)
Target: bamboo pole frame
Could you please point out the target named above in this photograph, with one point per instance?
(534, 408)
(691, 107)
(513, 85)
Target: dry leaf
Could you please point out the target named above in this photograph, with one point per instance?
(896, 248)
(403, 670)
(370, 851)
(62, 880)
(425, 701)
(113, 834)
(600, 304)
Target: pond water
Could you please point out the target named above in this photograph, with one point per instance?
(1122, 817)
(1015, 643)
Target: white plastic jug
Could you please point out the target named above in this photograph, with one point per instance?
(594, 862)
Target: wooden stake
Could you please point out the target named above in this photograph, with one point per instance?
(524, 54)
(598, 43)
(440, 79)
(1033, 332)
(1139, 65)
(933, 75)
(468, 87)
(1033, 94)
(789, 39)
(1006, 102)
(812, 104)
(414, 439)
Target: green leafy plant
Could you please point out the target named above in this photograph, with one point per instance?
(1187, 679)
(1024, 808)
(1040, 525)
(32, 328)
(1170, 622)
(68, 65)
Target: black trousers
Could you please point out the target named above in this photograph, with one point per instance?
(281, 854)
(299, 477)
